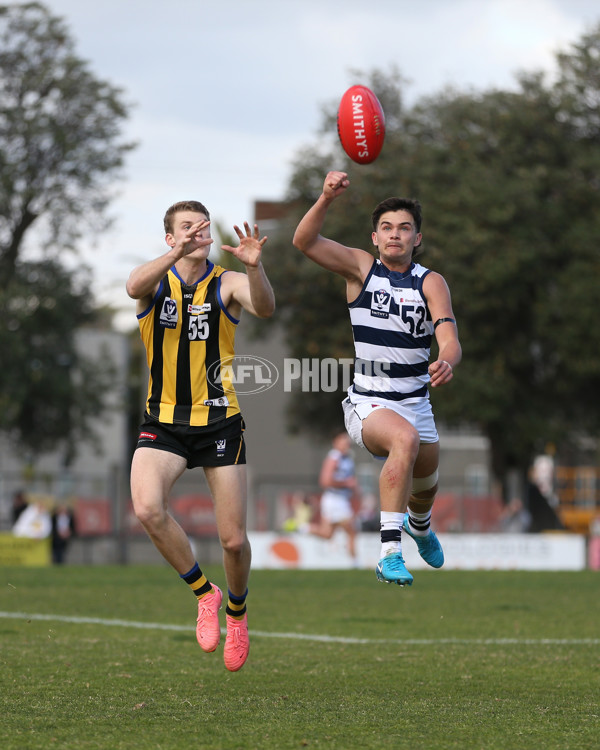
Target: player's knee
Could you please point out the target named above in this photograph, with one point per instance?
(407, 443)
(150, 516)
(235, 543)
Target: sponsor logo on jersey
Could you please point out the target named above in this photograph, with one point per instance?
(221, 401)
(147, 436)
(403, 296)
(199, 309)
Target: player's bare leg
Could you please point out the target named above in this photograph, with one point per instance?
(326, 529)
(323, 529)
(386, 433)
(417, 522)
(228, 488)
(153, 474)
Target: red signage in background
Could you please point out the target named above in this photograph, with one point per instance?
(93, 517)
(196, 514)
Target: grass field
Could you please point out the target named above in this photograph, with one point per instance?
(106, 657)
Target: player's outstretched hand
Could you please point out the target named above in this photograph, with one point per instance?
(335, 184)
(250, 248)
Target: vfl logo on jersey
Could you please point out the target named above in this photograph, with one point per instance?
(380, 304)
(221, 445)
(168, 314)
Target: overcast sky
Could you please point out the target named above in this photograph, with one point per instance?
(226, 92)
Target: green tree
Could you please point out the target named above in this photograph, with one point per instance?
(60, 151)
(60, 144)
(51, 394)
(513, 194)
(510, 186)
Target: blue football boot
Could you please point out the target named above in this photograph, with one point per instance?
(391, 569)
(429, 546)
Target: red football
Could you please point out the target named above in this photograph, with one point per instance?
(361, 124)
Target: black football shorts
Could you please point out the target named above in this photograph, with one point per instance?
(218, 444)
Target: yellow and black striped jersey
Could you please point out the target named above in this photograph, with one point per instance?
(189, 337)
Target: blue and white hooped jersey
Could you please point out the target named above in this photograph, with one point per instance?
(392, 330)
(344, 469)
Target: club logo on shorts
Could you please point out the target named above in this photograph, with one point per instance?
(380, 304)
(221, 445)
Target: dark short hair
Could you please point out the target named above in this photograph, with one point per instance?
(398, 204)
(194, 206)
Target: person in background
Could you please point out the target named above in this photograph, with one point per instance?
(63, 531)
(34, 521)
(19, 504)
(338, 481)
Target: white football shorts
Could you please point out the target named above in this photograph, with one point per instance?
(416, 411)
(335, 507)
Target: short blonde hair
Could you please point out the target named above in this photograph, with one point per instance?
(194, 206)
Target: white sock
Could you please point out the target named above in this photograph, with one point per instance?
(391, 528)
(419, 522)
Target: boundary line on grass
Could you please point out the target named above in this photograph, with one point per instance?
(311, 637)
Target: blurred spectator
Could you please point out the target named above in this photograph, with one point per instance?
(302, 513)
(542, 475)
(339, 483)
(34, 521)
(543, 515)
(18, 505)
(515, 518)
(63, 530)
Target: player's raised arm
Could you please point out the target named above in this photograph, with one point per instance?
(346, 261)
(252, 290)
